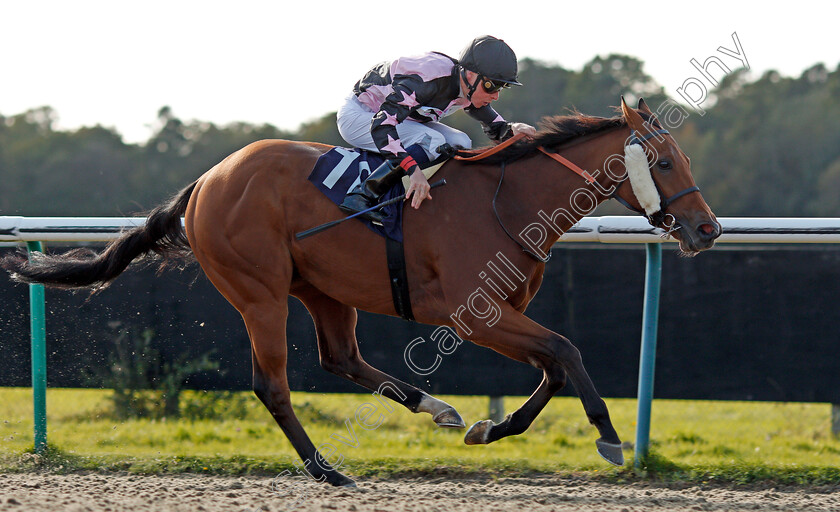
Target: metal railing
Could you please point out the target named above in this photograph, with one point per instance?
(611, 229)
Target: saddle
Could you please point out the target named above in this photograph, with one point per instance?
(340, 169)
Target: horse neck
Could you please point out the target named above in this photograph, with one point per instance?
(556, 198)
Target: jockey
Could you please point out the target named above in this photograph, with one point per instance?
(398, 104)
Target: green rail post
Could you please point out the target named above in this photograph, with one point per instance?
(39, 357)
(647, 360)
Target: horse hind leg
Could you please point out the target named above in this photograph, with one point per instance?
(261, 300)
(335, 325)
(266, 325)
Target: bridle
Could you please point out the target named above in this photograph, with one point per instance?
(658, 218)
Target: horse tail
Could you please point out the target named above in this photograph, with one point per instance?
(162, 234)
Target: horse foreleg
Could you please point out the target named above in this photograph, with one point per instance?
(522, 339)
(609, 445)
(335, 326)
(517, 422)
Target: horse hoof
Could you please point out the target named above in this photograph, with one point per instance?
(610, 452)
(479, 432)
(449, 418)
(339, 480)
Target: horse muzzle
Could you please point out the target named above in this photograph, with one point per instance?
(696, 236)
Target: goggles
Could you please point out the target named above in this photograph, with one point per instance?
(491, 86)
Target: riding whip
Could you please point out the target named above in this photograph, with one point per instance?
(328, 225)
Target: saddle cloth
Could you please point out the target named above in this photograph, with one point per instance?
(339, 170)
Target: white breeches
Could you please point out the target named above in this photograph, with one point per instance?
(354, 120)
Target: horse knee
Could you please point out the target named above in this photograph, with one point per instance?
(342, 366)
(564, 352)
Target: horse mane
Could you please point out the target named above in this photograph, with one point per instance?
(557, 130)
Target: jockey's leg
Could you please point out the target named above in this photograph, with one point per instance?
(455, 138)
(354, 120)
(370, 191)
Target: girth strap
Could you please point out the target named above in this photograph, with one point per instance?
(399, 278)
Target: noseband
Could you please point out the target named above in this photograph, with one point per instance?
(658, 218)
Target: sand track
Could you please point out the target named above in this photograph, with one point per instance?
(116, 493)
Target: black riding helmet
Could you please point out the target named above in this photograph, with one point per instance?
(492, 59)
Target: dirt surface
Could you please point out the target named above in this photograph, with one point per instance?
(115, 493)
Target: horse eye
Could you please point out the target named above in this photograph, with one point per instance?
(665, 165)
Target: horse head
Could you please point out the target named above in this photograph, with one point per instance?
(665, 192)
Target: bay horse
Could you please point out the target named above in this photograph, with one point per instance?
(241, 217)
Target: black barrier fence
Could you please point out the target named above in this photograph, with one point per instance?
(736, 323)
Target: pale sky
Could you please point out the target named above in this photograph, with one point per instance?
(115, 63)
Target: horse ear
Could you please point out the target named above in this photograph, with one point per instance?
(634, 120)
(643, 106)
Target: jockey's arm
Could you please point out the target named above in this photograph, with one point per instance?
(495, 126)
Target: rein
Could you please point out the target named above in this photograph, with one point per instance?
(481, 155)
(527, 251)
(493, 151)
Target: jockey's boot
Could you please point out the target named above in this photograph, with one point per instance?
(369, 192)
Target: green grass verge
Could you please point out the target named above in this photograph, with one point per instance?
(692, 441)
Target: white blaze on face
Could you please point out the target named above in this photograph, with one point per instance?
(635, 160)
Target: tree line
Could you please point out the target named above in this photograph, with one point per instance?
(765, 147)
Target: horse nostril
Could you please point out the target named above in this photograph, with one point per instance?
(708, 231)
